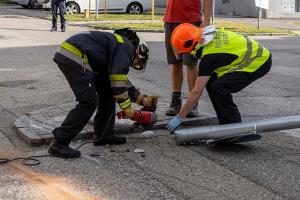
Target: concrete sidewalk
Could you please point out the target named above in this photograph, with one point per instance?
(5, 144)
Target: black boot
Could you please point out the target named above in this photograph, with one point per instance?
(64, 151)
(53, 29)
(111, 140)
(175, 105)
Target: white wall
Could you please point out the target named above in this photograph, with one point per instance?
(274, 10)
(245, 8)
(160, 3)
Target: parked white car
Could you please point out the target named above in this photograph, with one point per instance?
(112, 6)
(30, 3)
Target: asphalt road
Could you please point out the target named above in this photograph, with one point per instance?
(29, 80)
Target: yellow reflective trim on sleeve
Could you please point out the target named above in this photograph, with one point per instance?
(121, 97)
(74, 50)
(119, 38)
(125, 104)
(118, 77)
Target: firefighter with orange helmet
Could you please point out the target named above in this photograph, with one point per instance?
(229, 63)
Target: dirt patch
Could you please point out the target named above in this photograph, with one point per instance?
(50, 187)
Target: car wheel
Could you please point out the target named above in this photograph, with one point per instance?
(33, 4)
(72, 8)
(135, 8)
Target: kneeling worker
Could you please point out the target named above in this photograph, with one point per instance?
(229, 63)
(96, 65)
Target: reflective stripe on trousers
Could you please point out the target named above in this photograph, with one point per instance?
(75, 58)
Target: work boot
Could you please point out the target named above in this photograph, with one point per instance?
(63, 29)
(64, 151)
(193, 113)
(53, 29)
(110, 140)
(175, 105)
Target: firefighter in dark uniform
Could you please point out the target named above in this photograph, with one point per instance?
(61, 5)
(229, 63)
(96, 65)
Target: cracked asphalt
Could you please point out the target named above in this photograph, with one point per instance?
(29, 80)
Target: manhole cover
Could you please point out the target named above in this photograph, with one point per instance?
(17, 83)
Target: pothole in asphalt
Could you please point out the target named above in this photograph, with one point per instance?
(17, 83)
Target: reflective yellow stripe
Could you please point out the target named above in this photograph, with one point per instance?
(121, 97)
(119, 38)
(74, 50)
(125, 104)
(120, 84)
(118, 77)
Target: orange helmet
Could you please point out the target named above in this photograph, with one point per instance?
(185, 37)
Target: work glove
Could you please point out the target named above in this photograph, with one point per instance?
(174, 124)
(149, 103)
(128, 113)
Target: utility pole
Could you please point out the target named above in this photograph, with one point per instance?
(105, 7)
(152, 11)
(213, 12)
(259, 18)
(261, 4)
(89, 8)
(96, 8)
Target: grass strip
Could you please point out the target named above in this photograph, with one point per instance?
(112, 17)
(158, 26)
(232, 26)
(5, 2)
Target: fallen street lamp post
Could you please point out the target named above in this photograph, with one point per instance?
(217, 132)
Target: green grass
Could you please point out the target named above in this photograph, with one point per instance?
(247, 28)
(112, 17)
(4, 1)
(297, 23)
(158, 26)
(232, 26)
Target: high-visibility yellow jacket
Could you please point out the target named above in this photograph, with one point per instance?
(250, 54)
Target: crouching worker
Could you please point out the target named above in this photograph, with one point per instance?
(96, 65)
(229, 63)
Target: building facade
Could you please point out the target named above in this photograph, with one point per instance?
(247, 8)
(277, 8)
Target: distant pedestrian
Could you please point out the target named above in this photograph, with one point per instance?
(61, 5)
(177, 12)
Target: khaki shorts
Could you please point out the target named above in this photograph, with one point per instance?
(187, 58)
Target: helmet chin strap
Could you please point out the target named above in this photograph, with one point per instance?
(208, 34)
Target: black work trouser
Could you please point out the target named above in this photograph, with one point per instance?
(104, 121)
(220, 90)
(61, 5)
(84, 89)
